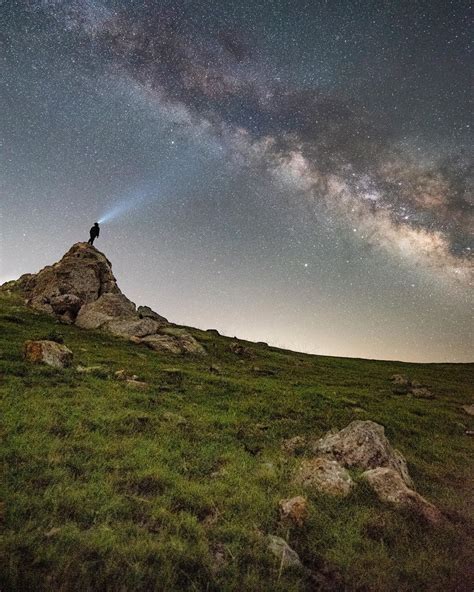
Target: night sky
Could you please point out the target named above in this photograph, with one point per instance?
(296, 172)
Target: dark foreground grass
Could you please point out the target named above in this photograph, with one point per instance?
(172, 488)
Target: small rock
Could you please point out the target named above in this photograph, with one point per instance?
(47, 352)
(123, 375)
(400, 379)
(469, 409)
(422, 393)
(214, 369)
(390, 488)
(294, 510)
(326, 475)
(283, 552)
(295, 445)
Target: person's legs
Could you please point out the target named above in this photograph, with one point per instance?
(91, 240)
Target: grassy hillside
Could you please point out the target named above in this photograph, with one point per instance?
(172, 487)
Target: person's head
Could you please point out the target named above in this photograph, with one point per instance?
(96, 224)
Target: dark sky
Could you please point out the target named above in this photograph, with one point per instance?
(297, 172)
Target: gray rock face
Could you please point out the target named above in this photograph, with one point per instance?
(326, 475)
(47, 352)
(390, 488)
(283, 552)
(108, 307)
(133, 326)
(363, 445)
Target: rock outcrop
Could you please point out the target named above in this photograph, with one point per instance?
(81, 289)
(362, 445)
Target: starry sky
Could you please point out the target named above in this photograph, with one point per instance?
(291, 171)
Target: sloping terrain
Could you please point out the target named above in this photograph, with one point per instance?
(176, 484)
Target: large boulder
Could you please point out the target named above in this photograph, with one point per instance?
(47, 352)
(390, 488)
(108, 307)
(362, 445)
(324, 475)
(83, 272)
(133, 327)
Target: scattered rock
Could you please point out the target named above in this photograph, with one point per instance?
(47, 352)
(326, 475)
(283, 552)
(390, 488)
(294, 510)
(123, 375)
(133, 327)
(89, 369)
(422, 393)
(363, 445)
(145, 312)
(295, 445)
(400, 379)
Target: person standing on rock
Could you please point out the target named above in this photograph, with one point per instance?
(94, 233)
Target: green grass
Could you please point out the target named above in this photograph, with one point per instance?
(107, 488)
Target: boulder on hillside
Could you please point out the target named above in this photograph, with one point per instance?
(132, 327)
(325, 475)
(47, 352)
(363, 445)
(390, 488)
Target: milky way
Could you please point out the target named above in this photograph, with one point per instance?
(307, 166)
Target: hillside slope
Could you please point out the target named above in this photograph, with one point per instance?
(174, 485)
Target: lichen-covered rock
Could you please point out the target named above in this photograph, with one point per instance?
(294, 510)
(390, 488)
(47, 352)
(286, 556)
(422, 393)
(362, 445)
(400, 379)
(65, 307)
(326, 475)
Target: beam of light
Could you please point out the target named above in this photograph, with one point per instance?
(126, 205)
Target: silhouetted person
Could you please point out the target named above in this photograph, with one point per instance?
(94, 232)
